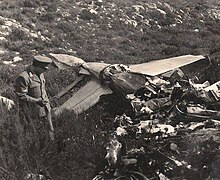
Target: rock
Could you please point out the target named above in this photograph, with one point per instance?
(8, 23)
(161, 11)
(34, 35)
(4, 32)
(2, 51)
(99, 2)
(168, 7)
(8, 103)
(17, 58)
(3, 39)
(7, 62)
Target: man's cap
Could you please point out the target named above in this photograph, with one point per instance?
(42, 61)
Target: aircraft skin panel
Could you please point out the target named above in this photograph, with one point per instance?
(89, 101)
(95, 68)
(84, 98)
(156, 67)
(68, 59)
(214, 87)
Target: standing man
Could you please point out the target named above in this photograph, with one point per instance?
(34, 103)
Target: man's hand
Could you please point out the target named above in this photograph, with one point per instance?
(52, 135)
(41, 102)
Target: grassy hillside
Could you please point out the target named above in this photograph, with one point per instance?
(113, 31)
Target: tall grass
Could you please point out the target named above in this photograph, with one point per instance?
(74, 154)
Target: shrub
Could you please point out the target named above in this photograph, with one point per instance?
(33, 3)
(66, 27)
(11, 165)
(171, 50)
(18, 46)
(47, 17)
(18, 35)
(2, 22)
(8, 74)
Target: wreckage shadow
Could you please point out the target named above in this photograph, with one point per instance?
(116, 104)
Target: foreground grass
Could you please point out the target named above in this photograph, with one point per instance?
(77, 149)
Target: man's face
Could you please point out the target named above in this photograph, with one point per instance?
(39, 70)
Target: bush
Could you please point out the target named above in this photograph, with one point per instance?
(11, 164)
(31, 4)
(18, 35)
(8, 75)
(47, 17)
(66, 27)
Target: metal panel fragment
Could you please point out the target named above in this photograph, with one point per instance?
(156, 67)
(85, 98)
(68, 59)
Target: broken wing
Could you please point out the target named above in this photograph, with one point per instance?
(157, 67)
(85, 98)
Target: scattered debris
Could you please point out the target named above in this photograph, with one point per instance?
(165, 107)
(113, 149)
(33, 176)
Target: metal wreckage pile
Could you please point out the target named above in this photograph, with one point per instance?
(172, 134)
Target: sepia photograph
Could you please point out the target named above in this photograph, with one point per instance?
(109, 90)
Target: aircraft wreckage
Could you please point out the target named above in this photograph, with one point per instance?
(147, 86)
(174, 133)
